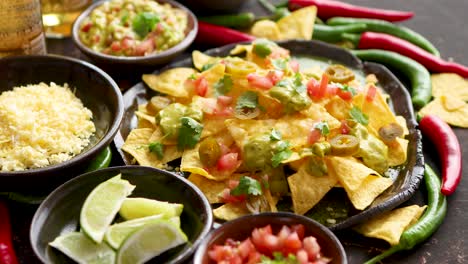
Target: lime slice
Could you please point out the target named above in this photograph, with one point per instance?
(150, 241)
(101, 206)
(133, 208)
(81, 249)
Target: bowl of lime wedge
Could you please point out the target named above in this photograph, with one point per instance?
(129, 214)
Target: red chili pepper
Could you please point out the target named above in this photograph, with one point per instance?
(448, 148)
(7, 252)
(218, 35)
(332, 8)
(373, 40)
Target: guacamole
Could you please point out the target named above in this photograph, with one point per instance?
(133, 27)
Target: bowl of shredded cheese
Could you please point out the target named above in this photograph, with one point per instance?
(56, 114)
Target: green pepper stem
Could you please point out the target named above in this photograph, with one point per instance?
(384, 254)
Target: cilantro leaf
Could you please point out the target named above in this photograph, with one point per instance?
(347, 88)
(298, 85)
(358, 116)
(158, 148)
(247, 99)
(323, 128)
(192, 76)
(247, 185)
(275, 135)
(207, 66)
(144, 22)
(223, 85)
(282, 152)
(189, 133)
(279, 64)
(124, 17)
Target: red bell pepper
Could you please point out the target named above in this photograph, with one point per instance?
(332, 8)
(448, 148)
(7, 252)
(373, 40)
(217, 35)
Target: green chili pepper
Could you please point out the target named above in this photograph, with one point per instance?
(353, 38)
(101, 161)
(377, 25)
(427, 224)
(418, 75)
(241, 20)
(277, 12)
(334, 33)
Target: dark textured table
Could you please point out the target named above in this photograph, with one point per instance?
(442, 22)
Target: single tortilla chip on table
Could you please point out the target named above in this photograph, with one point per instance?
(299, 24)
(450, 109)
(449, 84)
(266, 29)
(390, 225)
(307, 190)
(362, 184)
(170, 82)
(230, 211)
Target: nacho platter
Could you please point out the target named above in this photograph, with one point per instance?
(405, 178)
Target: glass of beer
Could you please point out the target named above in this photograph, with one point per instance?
(59, 15)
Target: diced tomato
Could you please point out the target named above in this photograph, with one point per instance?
(278, 53)
(323, 86)
(145, 47)
(260, 82)
(227, 162)
(332, 89)
(96, 38)
(115, 46)
(254, 257)
(86, 27)
(201, 86)
(314, 136)
(345, 95)
(275, 76)
(294, 65)
(344, 128)
(371, 93)
(233, 184)
(302, 256)
(227, 197)
(127, 42)
(245, 248)
(225, 100)
(284, 233)
(299, 229)
(313, 88)
(224, 111)
(219, 253)
(311, 247)
(292, 244)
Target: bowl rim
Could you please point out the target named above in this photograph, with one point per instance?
(104, 141)
(179, 47)
(183, 255)
(203, 247)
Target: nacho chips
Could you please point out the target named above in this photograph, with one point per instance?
(450, 109)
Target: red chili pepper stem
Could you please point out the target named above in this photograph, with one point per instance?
(374, 40)
(332, 8)
(7, 252)
(448, 148)
(218, 35)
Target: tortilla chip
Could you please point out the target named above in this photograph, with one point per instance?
(402, 122)
(171, 82)
(338, 108)
(390, 225)
(239, 49)
(211, 189)
(307, 190)
(397, 152)
(200, 59)
(318, 112)
(378, 111)
(362, 184)
(299, 24)
(266, 29)
(145, 120)
(230, 211)
(137, 145)
(449, 84)
(458, 117)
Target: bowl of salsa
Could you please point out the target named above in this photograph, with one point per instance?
(271, 238)
(143, 32)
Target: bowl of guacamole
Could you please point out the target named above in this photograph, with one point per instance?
(134, 31)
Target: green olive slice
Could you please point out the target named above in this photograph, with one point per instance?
(339, 73)
(390, 132)
(344, 145)
(209, 152)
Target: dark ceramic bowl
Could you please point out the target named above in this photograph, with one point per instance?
(406, 177)
(241, 228)
(60, 211)
(152, 59)
(214, 7)
(94, 88)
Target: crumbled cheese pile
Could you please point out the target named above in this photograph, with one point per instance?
(42, 125)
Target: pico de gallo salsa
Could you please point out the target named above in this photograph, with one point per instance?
(133, 27)
(288, 246)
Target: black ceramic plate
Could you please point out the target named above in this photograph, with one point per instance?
(60, 212)
(406, 178)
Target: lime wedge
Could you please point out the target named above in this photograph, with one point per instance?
(81, 249)
(101, 206)
(150, 241)
(133, 208)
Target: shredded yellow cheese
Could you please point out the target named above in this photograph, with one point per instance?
(42, 125)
